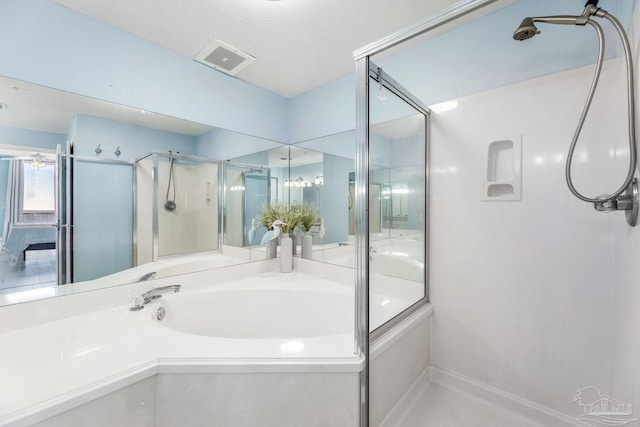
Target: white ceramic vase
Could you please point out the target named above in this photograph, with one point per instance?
(286, 254)
(307, 246)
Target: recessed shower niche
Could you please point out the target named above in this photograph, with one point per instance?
(503, 179)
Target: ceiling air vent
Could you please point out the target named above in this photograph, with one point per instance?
(224, 58)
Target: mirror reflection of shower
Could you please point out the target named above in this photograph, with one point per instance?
(170, 203)
(176, 205)
(247, 189)
(626, 197)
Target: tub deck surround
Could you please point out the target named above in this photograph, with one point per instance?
(170, 267)
(52, 367)
(164, 268)
(60, 363)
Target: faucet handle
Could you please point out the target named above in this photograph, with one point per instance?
(137, 303)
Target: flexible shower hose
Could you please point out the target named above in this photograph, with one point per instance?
(630, 108)
(171, 180)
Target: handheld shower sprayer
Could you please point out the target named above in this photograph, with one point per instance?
(170, 204)
(626, 197)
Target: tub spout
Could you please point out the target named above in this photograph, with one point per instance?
(138, 303)
(147, 276)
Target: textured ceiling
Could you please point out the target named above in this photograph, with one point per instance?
(299, 44)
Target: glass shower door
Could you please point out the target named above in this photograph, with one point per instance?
(101, 221)
(397, 203)
(256, 195)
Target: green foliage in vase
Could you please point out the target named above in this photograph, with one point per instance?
(279, 211)
(307, 215)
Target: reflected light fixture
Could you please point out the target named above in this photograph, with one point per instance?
(298, 182)
(38, 161)
(382, 92)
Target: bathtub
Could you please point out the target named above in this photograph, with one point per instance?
(268, 316)
(400, 257)
(272, 315)
(249, 337)
(273, 342)
(280, 344)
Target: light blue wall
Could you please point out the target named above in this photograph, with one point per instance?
(335, 203)
(325, 110)
(307, 172)
(482, 54)
(134, 141)
(222, 144)
(477, 57)
(259, 159)
(31, 138)
(46, 43)
(342, 144)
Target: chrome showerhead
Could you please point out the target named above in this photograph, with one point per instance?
(526, 30)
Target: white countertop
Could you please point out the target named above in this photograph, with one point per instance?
(48, 365)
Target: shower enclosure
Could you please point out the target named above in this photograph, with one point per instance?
(176, 206)
(94, 227)
(247, 189)
(391, 210)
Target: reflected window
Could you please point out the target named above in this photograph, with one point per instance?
(38, 198)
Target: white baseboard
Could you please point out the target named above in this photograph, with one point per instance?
(524, 408)
(404, 405)
(531, 411)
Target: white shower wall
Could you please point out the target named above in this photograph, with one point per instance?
(523, 290)
(234, 221)
(193, 226)
(626, 292)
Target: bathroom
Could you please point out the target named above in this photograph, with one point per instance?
(532, 294)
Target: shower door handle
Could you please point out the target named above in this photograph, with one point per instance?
(58, 226)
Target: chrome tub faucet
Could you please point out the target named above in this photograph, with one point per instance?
(138, 303)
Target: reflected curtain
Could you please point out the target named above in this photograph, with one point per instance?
(15, 188)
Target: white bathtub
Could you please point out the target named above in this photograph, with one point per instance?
(402, 257)
(260, 313)
(268, 316)
(221, 344)
(288, 313)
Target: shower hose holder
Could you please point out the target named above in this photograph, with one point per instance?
(627, 202)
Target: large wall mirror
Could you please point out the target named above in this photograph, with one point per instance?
(293, 176)
(96, 194)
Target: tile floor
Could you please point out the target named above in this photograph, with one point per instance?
(438, 406)
(37, 271)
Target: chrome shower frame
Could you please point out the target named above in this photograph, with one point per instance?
(154, 157)
(362, 57)
(464, 9)
(250, 168)
(65, 226)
